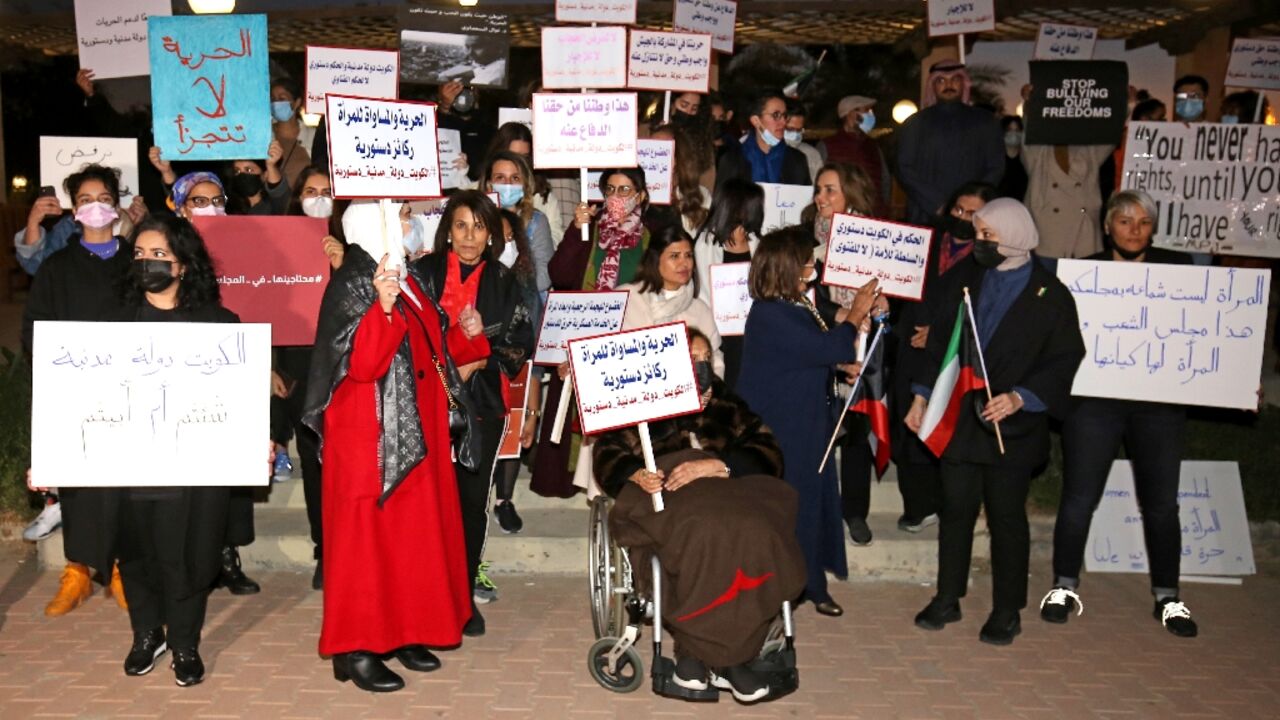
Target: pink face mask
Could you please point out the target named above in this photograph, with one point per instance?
(96, 215)
(620, 207)
(208, 211)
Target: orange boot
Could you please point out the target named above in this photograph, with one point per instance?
(76, 588)
(116, 588)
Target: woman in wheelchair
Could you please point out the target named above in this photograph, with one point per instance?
(726, 540)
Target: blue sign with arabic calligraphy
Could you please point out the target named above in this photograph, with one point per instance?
(210, 93)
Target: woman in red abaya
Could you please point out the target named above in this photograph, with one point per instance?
(382, 382)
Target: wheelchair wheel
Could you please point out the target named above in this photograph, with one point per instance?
(606, 574)
(630, 674)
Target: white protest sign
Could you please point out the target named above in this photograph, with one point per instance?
(783, 205)
(112, 37)
(1216, 187)
(524, 116)
(862, 248)
(1254, 63)
(382, 148)
(127, 404)
(632, 377)
(350, 71)
(730, 296)
(1215, 531)
(62, 156)
(960, 17)
(1065, 42)
(657, 158)
(584, 57)
(573, 315)
(450, 142)
(584, 130)
(711, 17)
(679, 62)
(1169, 333)
(615, 12)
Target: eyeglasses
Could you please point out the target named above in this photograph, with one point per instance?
(201, 201)
(775, 115)
(1188, 96)
(619, 190)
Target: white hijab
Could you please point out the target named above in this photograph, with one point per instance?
(1013, 225)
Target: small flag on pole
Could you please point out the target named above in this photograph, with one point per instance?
(961, 374)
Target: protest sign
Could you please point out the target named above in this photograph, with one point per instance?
(657, 159)
(1215, 530)
(382, 148)
(605, 12)
(783, 205)
(350, 71)
(1065, 42)
(126, 404)
(450, 143)
(210, 97)
(572, 315)
(517, 403)
(271, 269)
(961, 17)
(439, 45)
(862, 248)
(1077, 102)
(1169, 333)
(585, 130)
(679, 62)
(631, 377)
(708, 17)
(584, 57)
(112, 37)
(730, 296)
(1254, 63)
(1216, 187)
(524, 116)
(62, 156)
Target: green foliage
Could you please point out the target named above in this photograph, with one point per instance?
(15, 433)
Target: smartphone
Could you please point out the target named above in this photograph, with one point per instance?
(48, 191)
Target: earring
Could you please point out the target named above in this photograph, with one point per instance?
(490, 240)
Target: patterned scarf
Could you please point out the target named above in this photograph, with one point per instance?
(615, 237)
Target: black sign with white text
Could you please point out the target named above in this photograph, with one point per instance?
(1077, 102)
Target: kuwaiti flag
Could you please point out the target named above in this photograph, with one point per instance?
(871, 399)
(961, 374)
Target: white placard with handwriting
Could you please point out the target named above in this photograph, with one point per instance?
(62, 156)
(783, 204)
(149, 404)
(615, 12)
(1065, 42)
(450, 143)
(1254, 63)
(524, 116)
(675, 61)
(957, 17)
(632, 377)
(112, 37)
(730, 296)
(1215, 530)
(1169, 333)
(716, 18)
(862, 248)
(584, 57)
(572, 315)
(584, 130)
(657, 158)
(382, 148)
(350, 71)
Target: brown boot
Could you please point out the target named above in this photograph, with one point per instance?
(116, 588)
(76, 588)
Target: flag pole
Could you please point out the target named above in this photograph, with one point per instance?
(849, 400)
(968, 306)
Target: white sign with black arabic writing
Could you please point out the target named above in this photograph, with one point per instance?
(675, 61)
(605, 12)
(382, 148)
(62, 156)
(572, 315)
(1254, 63)
(783, 204)
(632, 377)
(1065, 42)
(350, 71)
(716, 18)
(959, 17)
(863, 248)
(730, 296)
(112, 37)
(657, 159)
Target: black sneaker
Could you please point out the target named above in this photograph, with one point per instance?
(1056, 607)
(508, 519)
(1175, 617)
(938, 613)
(147, 646)
(859, 532)
(691, 673)
(1001, 627)
(188, 668)
(746, 684)
(913, 525)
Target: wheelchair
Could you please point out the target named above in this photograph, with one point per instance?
(619, 611)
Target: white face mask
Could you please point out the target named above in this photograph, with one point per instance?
(793, 137)
(510, 253)
(207, 211)
(317, 207)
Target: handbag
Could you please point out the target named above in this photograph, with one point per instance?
(457, 413)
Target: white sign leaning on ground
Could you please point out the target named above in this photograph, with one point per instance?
(1215, 530)
(150, 404)
(862, 248)
(572, 315)
(584, 130)
(1169, 333)
(350, 71)
(1254, 63)
(632, 377)
(382, 148)
(62, 156)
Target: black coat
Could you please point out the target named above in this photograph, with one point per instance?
(795, 168)
(72, 284)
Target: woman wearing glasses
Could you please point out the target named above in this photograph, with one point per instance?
(763, 157)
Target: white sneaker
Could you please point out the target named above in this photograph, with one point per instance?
(46, 522)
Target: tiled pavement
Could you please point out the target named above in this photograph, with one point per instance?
(1115, 661)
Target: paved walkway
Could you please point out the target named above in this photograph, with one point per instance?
(1115, 661)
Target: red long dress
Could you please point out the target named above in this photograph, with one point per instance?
(395, 575)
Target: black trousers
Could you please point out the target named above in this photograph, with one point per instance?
(240, 517)
(1002, 490)
(151, 565)
(295, 362)
(855, 470)
(1091, 438)
(473, 491)
(921, 486)
(504, 478)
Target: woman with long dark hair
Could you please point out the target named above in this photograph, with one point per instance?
(511, 177)
(730, 234)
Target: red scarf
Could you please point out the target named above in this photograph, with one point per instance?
(458, 294)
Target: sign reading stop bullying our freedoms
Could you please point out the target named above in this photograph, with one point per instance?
(959, 17)
(1169, 333)
(730, 296)
(585, 130)
(1065, 42)
(382, 148)
(616, 12)
(783, 205)
(62, 156)
(657, 159)
(124, 404)
(709, 17)
(862, 248)
(1216, 187)
(631, 377)
(584, 57)
(350, 71)
(210, 98)
(1254, 63)
(1215, 530)
(270, 270)
(573, 315)
(1075, 102)
(679, 62)
(112, 37)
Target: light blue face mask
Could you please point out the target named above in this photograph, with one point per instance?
(281, 110)
(1189, 108)
(414, 238)
(868, 122)
(509, 195)
(1230, 119)
(769, 138)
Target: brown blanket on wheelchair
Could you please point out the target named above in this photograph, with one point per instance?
(729, 557)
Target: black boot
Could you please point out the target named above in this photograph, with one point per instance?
(475, 626)
(417, 658)
(366, 671)
(232, 577)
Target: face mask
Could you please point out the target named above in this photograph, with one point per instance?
(152, 276)
(281, 110)
(509, 195)
(703, 375)
(246, 184)
(769, 138)
(96, 215)
(793, 137)
(960, 229)
(620, 207)
(317, 207)
(510, 253)
(987, 253)
(682, 119)
(1230, 119)
(1012, 139)
(1189, 109)
(868, 122)
(207, 211)
(719, 127)
(414, 237)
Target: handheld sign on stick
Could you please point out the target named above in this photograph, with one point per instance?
(569, 316)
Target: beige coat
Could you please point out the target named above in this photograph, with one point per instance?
(1066, 205)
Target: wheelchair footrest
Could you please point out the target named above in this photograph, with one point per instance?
(664, 670)
(779, 671)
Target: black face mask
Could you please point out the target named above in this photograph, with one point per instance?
(246, 184)
(960, 229)
(703, 375)
(987, 253)
(719, 127)
(152, 275)
(682, 119)
(1129, 254)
